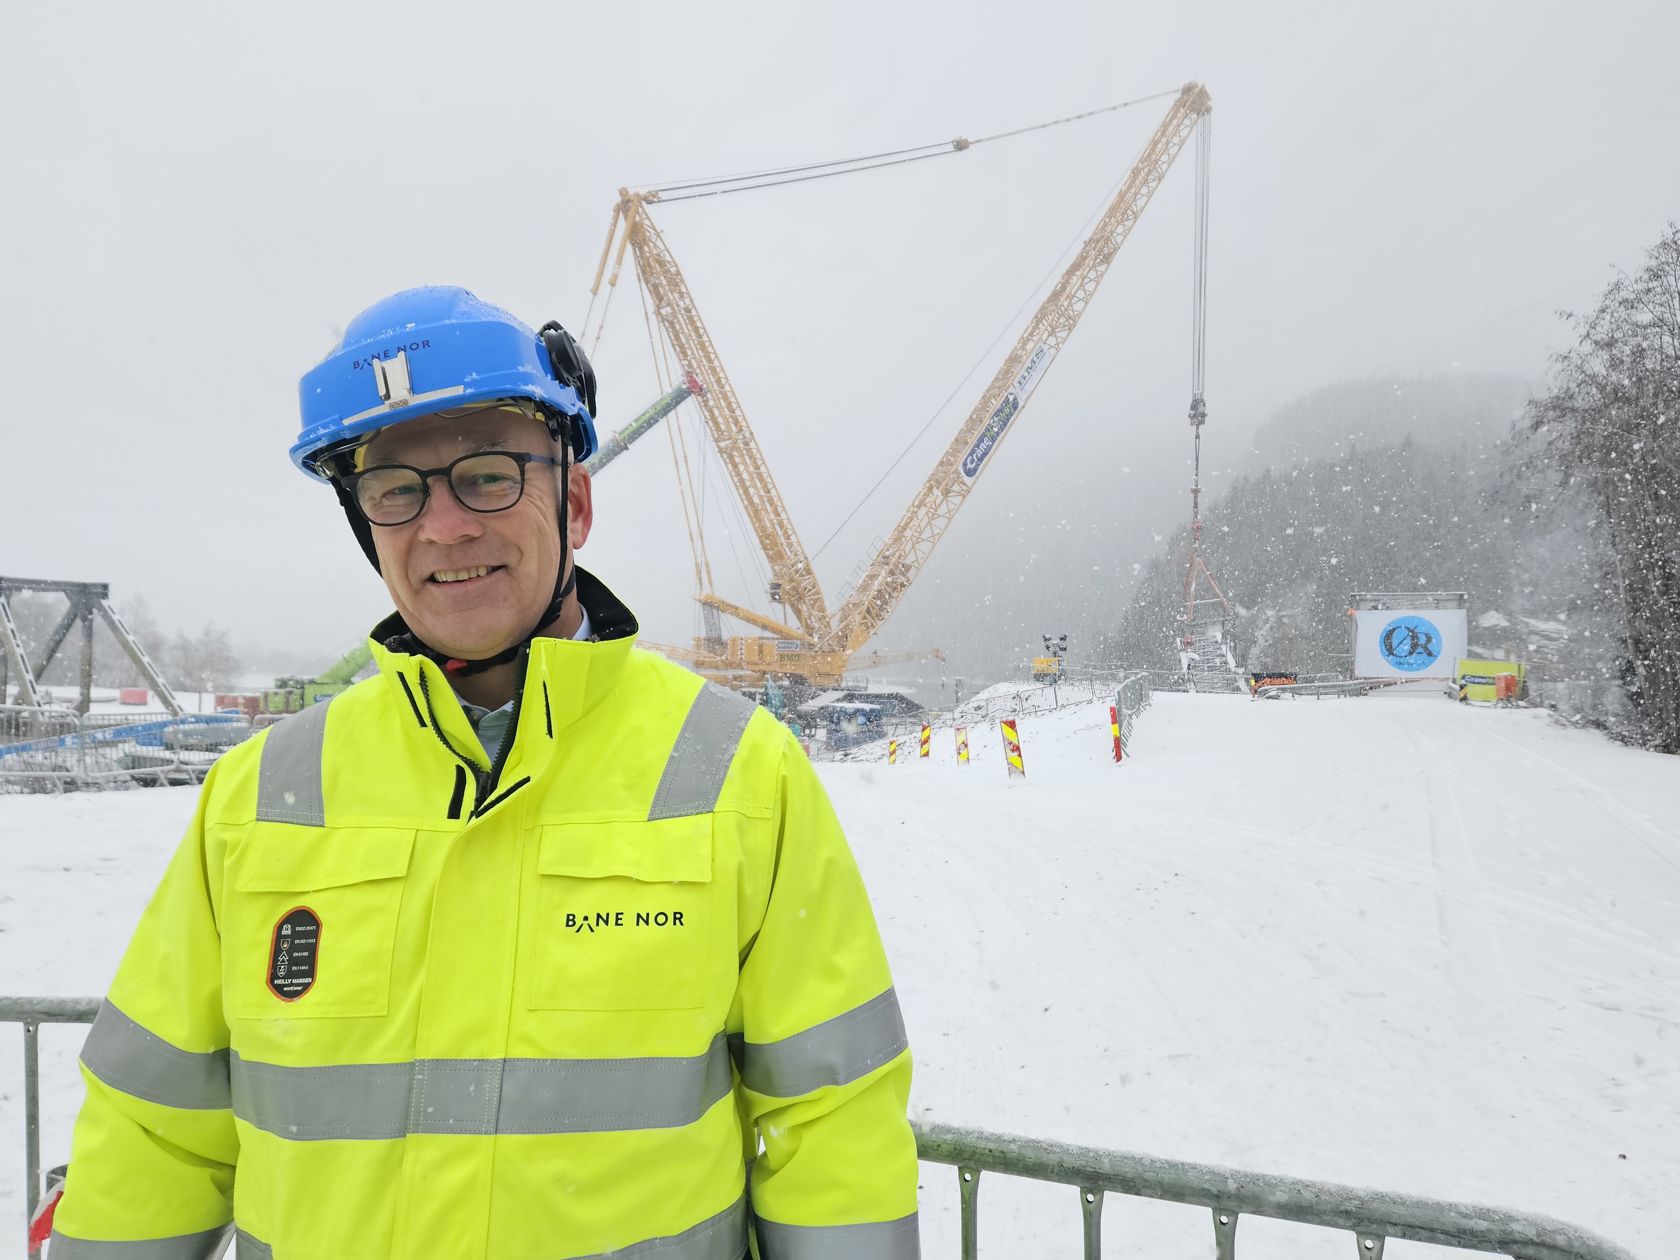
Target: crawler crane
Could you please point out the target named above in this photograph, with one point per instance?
(814, 644)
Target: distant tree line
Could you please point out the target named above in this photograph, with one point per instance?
(205, 661)
(1289, 545)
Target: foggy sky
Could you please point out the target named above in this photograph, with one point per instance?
(193, 207)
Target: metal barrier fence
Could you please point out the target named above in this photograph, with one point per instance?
(1133, 698)
(1371, 1216)
(59, 750)
(32, 1013)
(1029, 701)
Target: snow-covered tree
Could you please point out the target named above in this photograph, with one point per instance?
(1610, 426)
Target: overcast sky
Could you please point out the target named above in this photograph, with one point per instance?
(192, 207)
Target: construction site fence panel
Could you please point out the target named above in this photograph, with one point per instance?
(1132, 699)
(1371, 1216)
(59, 750)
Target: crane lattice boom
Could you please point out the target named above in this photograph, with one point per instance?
(796, 585)
(906, 550)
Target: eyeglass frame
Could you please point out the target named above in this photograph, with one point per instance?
(520, 458)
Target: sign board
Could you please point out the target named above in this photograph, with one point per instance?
(1020, 389)
(1478, 680)
(1409, 642)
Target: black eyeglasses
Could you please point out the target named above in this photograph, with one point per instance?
(394, 494)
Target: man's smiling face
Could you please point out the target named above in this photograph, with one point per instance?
(470, 584)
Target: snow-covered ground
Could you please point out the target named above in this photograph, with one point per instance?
(1389, 941)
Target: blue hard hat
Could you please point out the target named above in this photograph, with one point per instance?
(432, 349)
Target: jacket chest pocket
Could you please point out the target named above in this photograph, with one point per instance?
(625, 917)
(313, 921)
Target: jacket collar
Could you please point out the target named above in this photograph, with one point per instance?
(562, 679)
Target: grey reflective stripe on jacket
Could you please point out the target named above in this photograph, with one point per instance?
(137, 1061)
(289, 773)
(701, 757)
(720, 1237)
(376, 1101)
(202, 1246)
(834, 1052)
(889, 1240)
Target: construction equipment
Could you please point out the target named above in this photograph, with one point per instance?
(293, 694)
(1204, 642)
(616, 444)
(811, 644)
(1048, 668)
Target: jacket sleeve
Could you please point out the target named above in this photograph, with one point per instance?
(153, 1152)
(822, 1052)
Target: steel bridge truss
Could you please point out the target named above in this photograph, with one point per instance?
(86, 600)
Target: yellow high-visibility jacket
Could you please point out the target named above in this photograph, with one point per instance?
(391, 1000)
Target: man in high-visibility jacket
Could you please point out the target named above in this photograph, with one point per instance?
(530, 946)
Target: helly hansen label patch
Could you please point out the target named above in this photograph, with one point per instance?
(293, 956)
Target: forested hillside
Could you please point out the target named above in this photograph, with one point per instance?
(1290, 543)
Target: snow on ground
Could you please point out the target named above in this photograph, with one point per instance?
(1389, 941)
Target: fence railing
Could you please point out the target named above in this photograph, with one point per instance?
(1134, 696)
(1371, 1216)
(1028, 701)
(32, 1012)
(59, 750)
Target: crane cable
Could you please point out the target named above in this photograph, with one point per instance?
(1198, 317)
(720, 185)
(985, 355)
(663, 373)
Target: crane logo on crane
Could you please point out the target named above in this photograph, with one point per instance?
(991, 435)
(1026, 380)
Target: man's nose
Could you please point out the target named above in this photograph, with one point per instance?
(443, 519)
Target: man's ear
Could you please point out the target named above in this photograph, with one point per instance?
(580, 505)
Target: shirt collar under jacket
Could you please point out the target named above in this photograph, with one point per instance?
(495, 725)
(563, 679)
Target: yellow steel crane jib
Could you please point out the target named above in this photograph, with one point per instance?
(725, 417)
(826, 644)
(925, 521)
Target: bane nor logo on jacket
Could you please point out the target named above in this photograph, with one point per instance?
(589, 922)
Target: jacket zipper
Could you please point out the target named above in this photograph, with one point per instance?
(484, 781)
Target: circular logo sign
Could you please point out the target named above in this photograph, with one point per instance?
(1411, 643)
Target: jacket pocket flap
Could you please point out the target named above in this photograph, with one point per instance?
(669, 851)
(328, 859)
